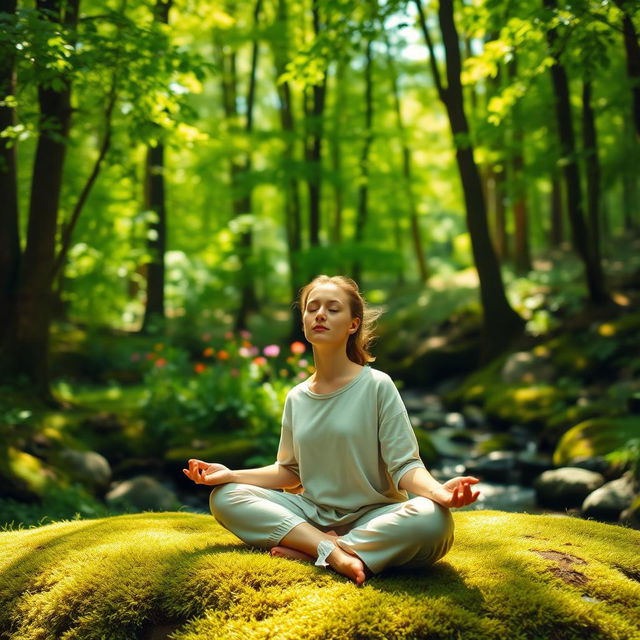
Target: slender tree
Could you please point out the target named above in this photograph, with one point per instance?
(582, 243)
(363, 188)
(155, 201)
(9, 214)
(501, 324)
(407, 171)
(25, 348)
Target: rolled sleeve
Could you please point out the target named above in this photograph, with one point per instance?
(286, 452)
(399, 446)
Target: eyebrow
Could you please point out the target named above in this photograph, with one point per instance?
(329, 301)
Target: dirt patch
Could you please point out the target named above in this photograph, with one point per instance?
(564, 569)
(632, 575)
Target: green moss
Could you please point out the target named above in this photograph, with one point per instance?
(498, 442)
(519, 404)
(508, 576)
(26, 469)
(428, 451)
(595, 437)
(230, 451)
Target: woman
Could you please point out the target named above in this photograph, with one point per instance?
(347, 458)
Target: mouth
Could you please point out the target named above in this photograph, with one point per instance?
(320, 328)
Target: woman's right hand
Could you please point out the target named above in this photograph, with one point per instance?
(209, 473)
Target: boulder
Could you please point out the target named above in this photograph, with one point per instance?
(527, 367)
(144, 493)
(496, 466)
(609, 501)
(566, 487)
(87, 467)
(599, 464)
(631, 516)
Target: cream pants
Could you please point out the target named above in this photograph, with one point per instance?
(411, 534)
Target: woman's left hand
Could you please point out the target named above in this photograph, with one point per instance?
(457, 492)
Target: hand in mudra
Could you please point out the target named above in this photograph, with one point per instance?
(457, 492)
(209, 473)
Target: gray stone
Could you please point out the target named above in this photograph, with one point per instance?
(455, 420)
(524, 366)
(598, 464)
(566, 487)
(143, 493)
(496, 466)
(87, 467)
(474, 416)
(609, 501)
(631, 516)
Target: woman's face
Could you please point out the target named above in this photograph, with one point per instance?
(326, 317)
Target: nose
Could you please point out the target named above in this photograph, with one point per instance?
(320, 314)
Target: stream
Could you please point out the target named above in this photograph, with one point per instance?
(506, 476)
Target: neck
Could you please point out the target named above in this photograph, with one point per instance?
(332, 364)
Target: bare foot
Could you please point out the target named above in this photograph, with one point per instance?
(294, 554)
(347, 565)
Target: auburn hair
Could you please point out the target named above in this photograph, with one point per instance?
(358, 342)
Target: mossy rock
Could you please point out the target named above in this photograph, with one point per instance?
(595, 437)
(230, 451)
(144, 576)
(524, 404)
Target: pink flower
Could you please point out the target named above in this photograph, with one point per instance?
(302, 375)
(298, 347)
(235, 373)
(271, 351)
(245, 352)
(206, 337)
(245, 334)
(228, 335)
(303, 363)
(135, 357)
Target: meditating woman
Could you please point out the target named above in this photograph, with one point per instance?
(347, 458)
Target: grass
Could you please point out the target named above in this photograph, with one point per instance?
(182, 576)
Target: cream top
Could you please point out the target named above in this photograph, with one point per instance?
(349, 447)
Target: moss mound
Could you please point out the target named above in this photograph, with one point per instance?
(182, 576)
(595, 437)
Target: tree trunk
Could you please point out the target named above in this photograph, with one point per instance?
(9, 215)
(407, 177)
(582, 243)
(157, 243)
(26, 344)
(336, 154)
(557, 228)
(499, 186)
(632, 49)
(629, 181)
(501, 324)
(314, 111)
(292, 205)
(522, 253)
(592, 166)
(240, 170)
(154, 313)
(363, 189)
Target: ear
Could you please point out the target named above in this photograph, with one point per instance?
(355, 323)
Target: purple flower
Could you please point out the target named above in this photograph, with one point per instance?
(271, 351)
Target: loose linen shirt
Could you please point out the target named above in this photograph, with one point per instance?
(349, 447)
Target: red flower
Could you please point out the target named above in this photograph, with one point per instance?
(199, 367)
(223, 355)
(260, 360)
(208, 352)
(161, 362)
(298, 347)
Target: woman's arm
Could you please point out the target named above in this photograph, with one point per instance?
(453, 493)
(273, 476)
